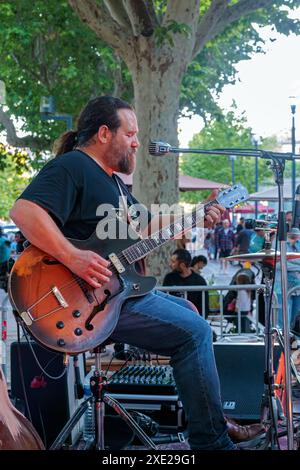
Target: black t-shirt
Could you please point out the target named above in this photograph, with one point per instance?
(72, 187)
(174, 279)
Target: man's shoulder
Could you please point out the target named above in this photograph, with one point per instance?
(197, 279)
(69, 160)
(170, 278)
(171, 275)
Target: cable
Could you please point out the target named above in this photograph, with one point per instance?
(22, 373)
(38, 362)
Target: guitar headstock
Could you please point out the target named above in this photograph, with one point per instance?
(230, 197)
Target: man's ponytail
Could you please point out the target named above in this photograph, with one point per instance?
(65, 143)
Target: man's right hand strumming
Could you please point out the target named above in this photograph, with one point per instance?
(89, 266)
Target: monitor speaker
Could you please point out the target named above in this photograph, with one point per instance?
(241, 371)
(51, 401)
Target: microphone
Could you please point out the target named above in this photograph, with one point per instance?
(158, 149)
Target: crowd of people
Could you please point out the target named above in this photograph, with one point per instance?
(10, 247)
(224, 240)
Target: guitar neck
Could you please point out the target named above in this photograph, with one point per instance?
(175, 229)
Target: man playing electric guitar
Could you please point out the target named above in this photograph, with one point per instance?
(62, 202)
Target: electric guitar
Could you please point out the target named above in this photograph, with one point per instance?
(65, 313)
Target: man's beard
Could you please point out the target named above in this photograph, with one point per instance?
(126, 164)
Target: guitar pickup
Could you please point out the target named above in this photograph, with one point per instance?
(59, 297)
(116, 262)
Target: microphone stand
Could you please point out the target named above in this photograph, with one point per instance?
(277, 164)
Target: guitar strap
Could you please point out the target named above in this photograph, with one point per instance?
(140, 265)
(134, 224)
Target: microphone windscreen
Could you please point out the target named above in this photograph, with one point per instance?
(158, 148)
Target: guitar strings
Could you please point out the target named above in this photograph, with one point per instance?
(121, 256)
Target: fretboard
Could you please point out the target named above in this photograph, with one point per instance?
(179, 226)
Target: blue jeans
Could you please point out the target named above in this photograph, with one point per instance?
(171, 326)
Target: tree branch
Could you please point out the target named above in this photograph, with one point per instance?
(118, 12)
(231, 14)
(11, 135)
(208, 22)
(140, 17)
(100, 21)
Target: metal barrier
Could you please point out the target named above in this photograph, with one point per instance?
(222, 290)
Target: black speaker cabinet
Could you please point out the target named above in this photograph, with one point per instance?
(241, 371)
(51, 401)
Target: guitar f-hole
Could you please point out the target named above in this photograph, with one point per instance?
(97, 309)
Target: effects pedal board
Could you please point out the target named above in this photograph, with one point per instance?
(143, 379)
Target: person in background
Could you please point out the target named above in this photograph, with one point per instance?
(198, 263)
(209, 244)
(257, 241)
(230, 297)
(243, 238)
(5, 250)
(293, 268)
(241, 225)
(218, 227)
(289, 220)
(226, 241)
(19, 239)
(243, 303)
(183, 275)
(182, 242)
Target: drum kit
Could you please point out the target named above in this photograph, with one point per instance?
(271, 412)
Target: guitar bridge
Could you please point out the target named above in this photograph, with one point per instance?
(27, 318)
(59, 297)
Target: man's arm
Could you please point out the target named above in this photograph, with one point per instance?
(40, 229)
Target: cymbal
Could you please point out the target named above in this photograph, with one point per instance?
(263, 255)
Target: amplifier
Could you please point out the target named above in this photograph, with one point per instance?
(241, 371)
(51, 401)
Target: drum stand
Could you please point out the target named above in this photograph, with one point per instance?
(271, 409)
(99, 399)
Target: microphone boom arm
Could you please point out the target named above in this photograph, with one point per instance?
(267, 154)
(159, 149)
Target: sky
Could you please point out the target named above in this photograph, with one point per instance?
(264, 85)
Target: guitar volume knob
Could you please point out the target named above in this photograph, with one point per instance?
(78, 331)
(76, 313)
(60, 325)
(61, 342)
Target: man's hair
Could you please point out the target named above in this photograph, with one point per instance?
(183, 256)
(197, 259)
(99, 111)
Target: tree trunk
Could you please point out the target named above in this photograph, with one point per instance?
(156, 90)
